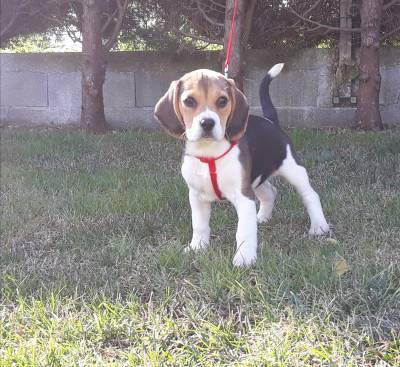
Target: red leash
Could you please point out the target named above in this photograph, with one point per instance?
(230, 40)
(209, 160)
(213, 169)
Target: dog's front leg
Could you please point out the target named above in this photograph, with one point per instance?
(246, 235)
(200, 222)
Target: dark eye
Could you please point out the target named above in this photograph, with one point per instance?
(222, 102)
(189, 102)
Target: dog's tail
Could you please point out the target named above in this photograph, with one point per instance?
(268, 108)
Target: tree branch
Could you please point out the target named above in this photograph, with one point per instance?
(312, 8)
(326, 26)
(117, 27)
(248, 20)
(20, 10)
(200, 38)
(206, 17)
(389, 4)
(221, 6)
(391, 33)
(72, 35)
(110, 18)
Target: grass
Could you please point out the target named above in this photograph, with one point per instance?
(92, 270)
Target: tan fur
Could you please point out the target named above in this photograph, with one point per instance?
(166, 111)
(206, 87)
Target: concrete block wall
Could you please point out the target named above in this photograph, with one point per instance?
(46, 88)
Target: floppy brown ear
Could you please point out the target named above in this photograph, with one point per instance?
(237, 122)
(167, 111)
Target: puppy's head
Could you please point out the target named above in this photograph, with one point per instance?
(202, 105)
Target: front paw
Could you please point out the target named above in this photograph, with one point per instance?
(319, 229)
(243, 259)
(263, 217)
(196, 245)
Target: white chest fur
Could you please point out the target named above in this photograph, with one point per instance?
(201, 194)
(229, 176)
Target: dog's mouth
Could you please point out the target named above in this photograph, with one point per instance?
(207, 136)
(203, 137)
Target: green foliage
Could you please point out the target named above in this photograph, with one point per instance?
(392, 42)
(25, 44)
(181, 26)
(47, 42)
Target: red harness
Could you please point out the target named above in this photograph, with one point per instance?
(213, 169)
(209, 160)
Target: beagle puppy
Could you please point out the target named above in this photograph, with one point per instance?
(231, 154)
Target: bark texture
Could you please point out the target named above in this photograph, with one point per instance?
(93, 68)
(368, 115)
(245, 10)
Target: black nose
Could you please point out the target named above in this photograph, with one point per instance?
(207, 124)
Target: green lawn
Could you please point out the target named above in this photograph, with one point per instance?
(92, 270)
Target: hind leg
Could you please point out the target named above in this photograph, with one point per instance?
(266, 194)
(298, 177)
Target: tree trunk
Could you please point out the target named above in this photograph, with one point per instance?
(245, 9)
(93, 68)
(368, 115)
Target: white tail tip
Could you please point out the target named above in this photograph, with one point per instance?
(275, 70)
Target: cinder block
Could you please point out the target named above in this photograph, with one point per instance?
(119, 90)
(4, 114)
(334, 116)
(391, 114)
(151, 85)
(60, 116)
(390, 56)
(390, 86)
(291, 88)
(28, 89)
(29, 115)
(326, 84)
(65, 90)
(312, 117)
(131, 117)
(46, 88)
(53, 62)
(297, 116)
